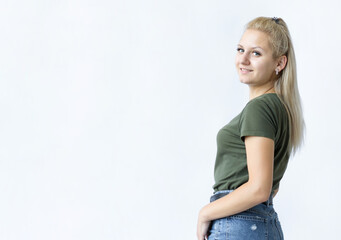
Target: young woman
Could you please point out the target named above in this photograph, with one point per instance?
(254, 148)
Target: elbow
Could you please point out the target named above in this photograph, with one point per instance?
(260, 193)
(264, 196)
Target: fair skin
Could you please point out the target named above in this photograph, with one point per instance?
(256, 67)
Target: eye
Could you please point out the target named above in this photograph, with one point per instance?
(240, 50)
(255, 53)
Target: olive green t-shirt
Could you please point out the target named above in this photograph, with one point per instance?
(263, 116)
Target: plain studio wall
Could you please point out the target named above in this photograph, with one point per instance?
(110, 110)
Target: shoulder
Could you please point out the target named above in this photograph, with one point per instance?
(265, 99)
(259, 117)
(269, 103)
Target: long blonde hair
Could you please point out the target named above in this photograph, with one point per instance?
(286, 84)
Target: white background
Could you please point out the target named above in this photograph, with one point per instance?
(110, 110)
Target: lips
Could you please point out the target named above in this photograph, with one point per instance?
(245, 70)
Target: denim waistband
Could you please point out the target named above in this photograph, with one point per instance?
(222, 193)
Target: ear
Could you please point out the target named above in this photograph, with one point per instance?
(281, 63)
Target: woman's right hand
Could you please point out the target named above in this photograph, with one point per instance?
(202, 227)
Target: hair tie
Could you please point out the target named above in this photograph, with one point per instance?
(276, 20)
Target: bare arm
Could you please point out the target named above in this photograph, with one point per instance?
(260, 155)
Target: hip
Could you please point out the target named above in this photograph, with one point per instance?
(258, 222)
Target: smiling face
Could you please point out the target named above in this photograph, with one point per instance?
(254, 61)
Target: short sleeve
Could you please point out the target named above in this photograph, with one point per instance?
(257, 119)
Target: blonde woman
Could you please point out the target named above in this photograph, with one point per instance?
(254, 147)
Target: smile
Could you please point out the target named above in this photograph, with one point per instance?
(244, 70)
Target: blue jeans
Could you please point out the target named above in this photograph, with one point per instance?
(259, 222)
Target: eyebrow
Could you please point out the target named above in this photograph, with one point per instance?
(251, 48)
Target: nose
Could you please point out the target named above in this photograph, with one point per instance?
(244, 59)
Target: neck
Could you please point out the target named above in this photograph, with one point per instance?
(258, 91)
